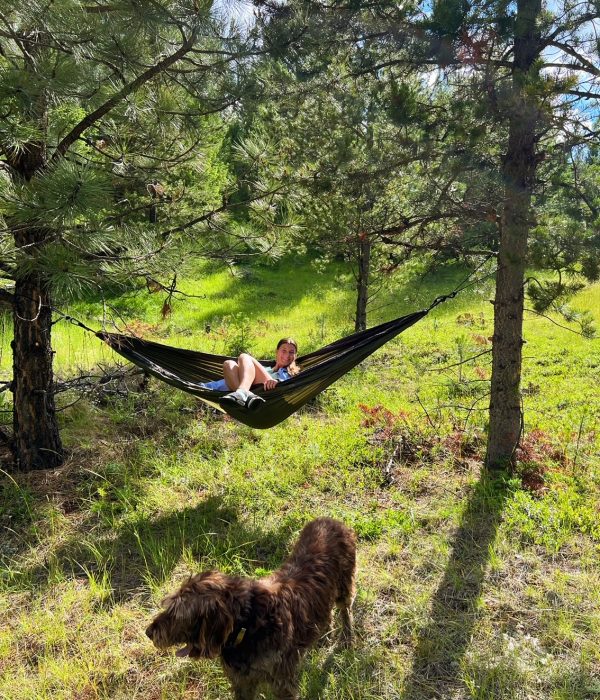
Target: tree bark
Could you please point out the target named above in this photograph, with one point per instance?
(362, 283)
(37, 443)
(519, 170)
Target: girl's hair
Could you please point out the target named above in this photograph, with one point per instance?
(293, 368)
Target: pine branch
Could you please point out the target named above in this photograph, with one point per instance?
(567, 66)
(8, 269)
(432, 62)
(581, 194)
(584, 63)
(100, 9)
(548, 318)
(213, 212)
(587, 95)
(457, 364)
(574, 25)
(90, 119)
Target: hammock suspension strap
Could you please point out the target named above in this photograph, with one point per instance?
(189, 370)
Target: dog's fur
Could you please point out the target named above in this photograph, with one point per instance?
(261, 628)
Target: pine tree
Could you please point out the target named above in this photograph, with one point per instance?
(105, 119)
(521, 82)
(535, 66)
(356, 164)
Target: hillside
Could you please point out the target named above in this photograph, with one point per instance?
(469, 586)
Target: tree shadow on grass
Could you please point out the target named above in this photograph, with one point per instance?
(454, 609)
(145, 552)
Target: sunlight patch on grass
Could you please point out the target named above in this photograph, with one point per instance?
(468, 587)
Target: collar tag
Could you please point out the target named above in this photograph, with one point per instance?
(240, 637)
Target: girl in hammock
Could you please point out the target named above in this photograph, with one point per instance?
(242, 374)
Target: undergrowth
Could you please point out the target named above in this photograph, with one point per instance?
(470, 585)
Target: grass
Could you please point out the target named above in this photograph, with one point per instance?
(469, 586)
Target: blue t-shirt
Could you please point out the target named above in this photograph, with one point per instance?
(280, 375)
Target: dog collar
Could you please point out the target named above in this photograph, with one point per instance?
(240, 637)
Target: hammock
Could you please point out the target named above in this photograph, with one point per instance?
(188, 369)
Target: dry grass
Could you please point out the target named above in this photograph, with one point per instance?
(451, 604)
(469, 587)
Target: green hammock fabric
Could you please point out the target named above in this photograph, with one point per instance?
(188, 369)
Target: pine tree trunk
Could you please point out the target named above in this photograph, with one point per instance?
(520, 164)
(37, 443)
(362, 284)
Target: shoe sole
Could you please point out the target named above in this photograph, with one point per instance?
(252, 404)
(232, 402)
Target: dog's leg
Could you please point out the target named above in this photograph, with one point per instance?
(286, 689)
(245, 689)
(344, 605)
(285, 679)
(346, 633)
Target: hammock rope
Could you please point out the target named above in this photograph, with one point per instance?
(189, 369)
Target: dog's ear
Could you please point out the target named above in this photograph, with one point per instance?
(217, 625)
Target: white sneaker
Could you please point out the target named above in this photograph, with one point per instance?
(238, 397)
(253, 401)
(243, 398)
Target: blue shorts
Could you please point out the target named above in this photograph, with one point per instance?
(221, 385)
(217, 385)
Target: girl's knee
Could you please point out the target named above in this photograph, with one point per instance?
(245, 357)
(229, 364)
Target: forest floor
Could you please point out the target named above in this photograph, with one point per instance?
(469, 585)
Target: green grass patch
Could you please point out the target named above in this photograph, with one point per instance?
(468, 586)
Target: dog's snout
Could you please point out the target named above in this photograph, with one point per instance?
(149, 631)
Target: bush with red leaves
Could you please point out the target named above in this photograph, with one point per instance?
(387, 423)
(536, 455)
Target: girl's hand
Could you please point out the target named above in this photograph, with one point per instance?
(271, 384)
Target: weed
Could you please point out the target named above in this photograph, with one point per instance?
(468, 586)
(553, 520)
(239, 334)
(372, 526)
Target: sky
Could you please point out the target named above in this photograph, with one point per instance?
(239, 11)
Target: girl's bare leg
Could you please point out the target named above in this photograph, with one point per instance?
(240, 374)
(231, 374)
(260, 373)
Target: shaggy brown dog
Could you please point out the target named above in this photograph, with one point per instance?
(261, 628)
